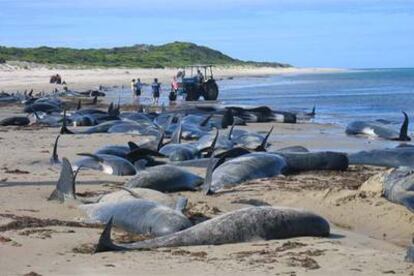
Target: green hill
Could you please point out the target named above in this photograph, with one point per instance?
(174, 54)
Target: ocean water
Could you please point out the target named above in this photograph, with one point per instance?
(339, 97)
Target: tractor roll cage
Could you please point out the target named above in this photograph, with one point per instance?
(207, 69)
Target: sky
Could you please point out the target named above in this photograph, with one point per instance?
(319, 33)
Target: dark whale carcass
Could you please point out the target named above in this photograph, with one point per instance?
(242, 225)
(15, 121)
(392, 158)
(378, 129)
(249, 166)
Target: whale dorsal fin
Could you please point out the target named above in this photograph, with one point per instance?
(64, 129)
(263, 146)
(132, 146)
(55, 158)
(209, 150)
(231, 131)
(213, 164)
(105, 243)
(161, 140)
(404, 129)
(65, 187)
(206, 120)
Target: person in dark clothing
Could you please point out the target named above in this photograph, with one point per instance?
(156, 90)
(138, 87)
(200, 77)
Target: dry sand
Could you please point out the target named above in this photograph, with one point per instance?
(369, 234)
(14, 78)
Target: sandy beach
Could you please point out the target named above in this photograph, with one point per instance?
(369, 234)
(21, 76)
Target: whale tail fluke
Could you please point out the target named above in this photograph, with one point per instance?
(65, 187)
(404, 129)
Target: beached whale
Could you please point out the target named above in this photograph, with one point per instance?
(175, 151)
(253, 141)
(165, 178)
(66, 190)
(221, 173)
(242, 225)
(293, 149)
(138, 211)
(109, 164)
(15, 121)
(377, 129)
(143, 193)
(409, 257)
(46, 107)
(392, 158)
(399, 187)
(138, 216)
(310, 161)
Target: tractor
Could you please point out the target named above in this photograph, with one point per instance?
(193, 85)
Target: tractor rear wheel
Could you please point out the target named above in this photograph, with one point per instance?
(210, 90)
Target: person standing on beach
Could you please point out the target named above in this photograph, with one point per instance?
(138, 88)
(156, 90)
(133, 87)
(174, 89)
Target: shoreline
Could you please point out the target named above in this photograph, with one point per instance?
(37, 78)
